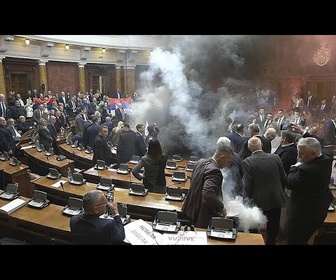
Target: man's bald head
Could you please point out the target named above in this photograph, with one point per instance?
(254, 144)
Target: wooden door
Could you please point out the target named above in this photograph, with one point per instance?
(20, 83)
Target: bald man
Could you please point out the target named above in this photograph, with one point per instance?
(264, 181)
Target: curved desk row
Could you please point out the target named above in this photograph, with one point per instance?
(139, 207)
(40, 163)
(49, 223)
(124, 180)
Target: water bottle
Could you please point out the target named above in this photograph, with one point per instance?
(69, 174)
(110, 198)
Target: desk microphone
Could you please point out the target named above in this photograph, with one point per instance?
(47, 158)
(61, 183)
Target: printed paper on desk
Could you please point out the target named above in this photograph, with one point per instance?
(26, 147)
(140, 233)
(58, 183)
(185, 238)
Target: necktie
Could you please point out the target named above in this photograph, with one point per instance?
(3, 109)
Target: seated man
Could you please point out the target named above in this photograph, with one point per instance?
(88, 228)
(22, 125)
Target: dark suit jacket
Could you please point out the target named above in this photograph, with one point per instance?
(203, 199)
(264, 180)
(22, 126)
(101, 150)
(237, 141)
(310, 194)
(6, 111)
(234, 174)
(266, 147)
(90, 229)
(6, 140)
(16, 111)
(92, 132)
(86, 125)
(288, 155)
(329, 133)
(45, 137)
(118, 115)
(140, 145)
(126, 146)
(63, 100)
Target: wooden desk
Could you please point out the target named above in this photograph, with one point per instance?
(168, 172)
(16, 174)
(82, 160)
(139, 207)
(26, 137)
(39, 163)
(124, 181)
(49, 223)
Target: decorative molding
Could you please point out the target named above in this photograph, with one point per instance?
(3, 44)
(84, 53)
(46, 50)
(121, 56)
(322, 55)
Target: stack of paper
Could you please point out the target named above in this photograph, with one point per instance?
(12, 206)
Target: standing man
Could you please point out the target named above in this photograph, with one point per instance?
(100, 148)
(119, 113)
(126, 144)
(264, 180)
(3, 106)
(7, 143)
(140, 145)
(310, 196)
(329, 131)
(204, 198)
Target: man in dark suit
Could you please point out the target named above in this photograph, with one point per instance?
(203, 200)
(116, 94)
(88, 228)
(53, 133)
(267, 138)
(310, 195)
(22, 125)
(140, 145)
(126, 144)
(287, 150)
(329, 131)
(264, 180)
(93, 130)
(310, 102)
(3, 106)
(266, 141)
(237, 137)
(63, 99)
(7, 143)
(119, 113)
(100, 148)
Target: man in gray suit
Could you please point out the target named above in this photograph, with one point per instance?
(264, 180)
(204, 198)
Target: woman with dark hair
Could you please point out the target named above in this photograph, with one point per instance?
(154, 164)
(153, 132)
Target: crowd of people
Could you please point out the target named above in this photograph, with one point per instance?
(294, 176)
